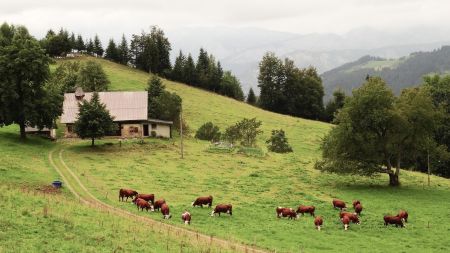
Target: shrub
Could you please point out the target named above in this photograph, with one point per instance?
(278, 142)
(153, 133)
(209, 132)
(245, 130)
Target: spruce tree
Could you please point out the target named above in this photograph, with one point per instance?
(111, 52)
(94, 120)
(178, 68)
(123, 51)
(90, 47)
(98, 49)
(251, 98)
(79, 44)
(189, 71)
(73, 42)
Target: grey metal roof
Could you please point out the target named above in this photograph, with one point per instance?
(123, 106)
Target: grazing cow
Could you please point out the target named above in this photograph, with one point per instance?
(279, 210)
(337, 203)
(318, 221)
(165, 211)
(289, 212)
(147, 197)
(223, 208)
(142, 203)
(200, 201)
(306, 209)
(128, 193)
(395, 220)
(356, 202)
(158, 204)
(186, 217)
(358, 209)
(403, 215)
(352, 216)
(346, 221)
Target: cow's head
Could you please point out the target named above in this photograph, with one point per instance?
(152, 208)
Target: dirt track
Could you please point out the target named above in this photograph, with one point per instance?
(70, 180)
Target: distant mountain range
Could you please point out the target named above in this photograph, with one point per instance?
(241, 49)
(398, 73)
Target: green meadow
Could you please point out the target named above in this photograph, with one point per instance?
(254, 185)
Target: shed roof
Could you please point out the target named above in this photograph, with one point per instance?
(123, 106)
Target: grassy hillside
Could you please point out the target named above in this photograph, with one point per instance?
(398, 73)
(35, 218)
(254, 185)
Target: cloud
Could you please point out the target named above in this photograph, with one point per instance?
(113, 17)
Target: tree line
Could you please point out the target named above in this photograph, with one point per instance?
(150, 52)
(206, 73)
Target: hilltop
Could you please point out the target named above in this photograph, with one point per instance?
(399, 73)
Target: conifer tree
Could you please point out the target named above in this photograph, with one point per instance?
(111, 52)
(251, 98)
(123, 51)
(98, 49)
(94, 120)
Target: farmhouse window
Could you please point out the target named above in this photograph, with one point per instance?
(153, 126)
(69, 128)
(133, 130)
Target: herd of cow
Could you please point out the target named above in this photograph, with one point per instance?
(345, 217)
(148, 202)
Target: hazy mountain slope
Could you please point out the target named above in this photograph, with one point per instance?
(399, 73)
(241, 49)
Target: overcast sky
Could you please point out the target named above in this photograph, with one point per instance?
(112, 17)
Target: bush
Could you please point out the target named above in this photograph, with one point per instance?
(278, 142)
(153, 134)
(245, 130)
(208, 132)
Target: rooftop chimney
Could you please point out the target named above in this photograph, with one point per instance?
(79, 93)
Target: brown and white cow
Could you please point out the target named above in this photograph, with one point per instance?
(346, 222)
(142, 203)
(147, 197)
(358, 209)
(355, 202)
(352, 216)
(306, 209)
(157, 205)
(165, 211)
(337, 203)
(403, 215)
(223, 208)
(186, 217)
(128, 193)
(279, 210)
(395, 220)
(290, 213)
(206, 200)
(318, 221)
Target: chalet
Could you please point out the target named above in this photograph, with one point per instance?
(129, 109)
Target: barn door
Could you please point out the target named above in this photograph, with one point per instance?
(145, 130)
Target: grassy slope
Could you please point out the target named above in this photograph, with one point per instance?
(255, 186)
(68, 226)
